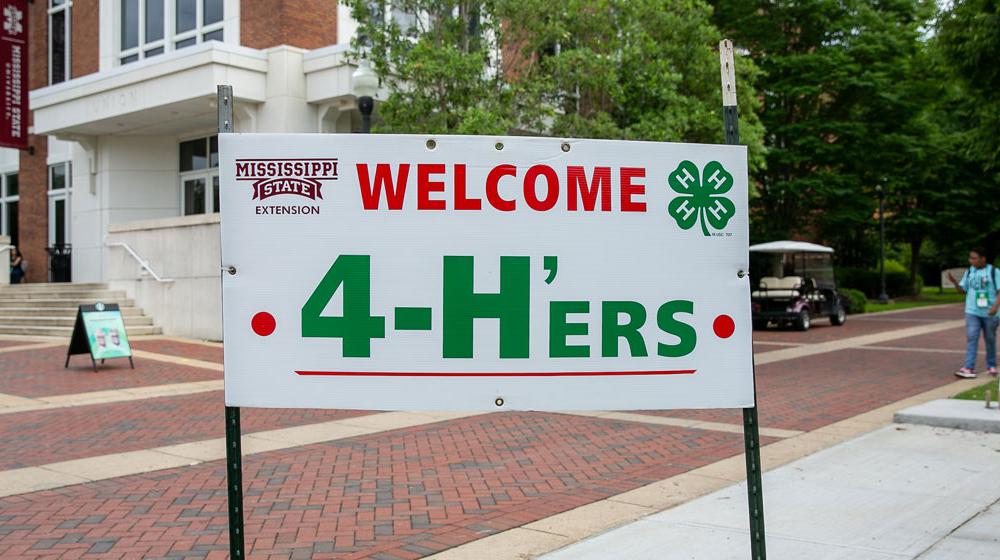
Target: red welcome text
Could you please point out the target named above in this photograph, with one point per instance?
(540, 188)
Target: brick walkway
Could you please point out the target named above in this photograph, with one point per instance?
(398, 494)
(38, 373)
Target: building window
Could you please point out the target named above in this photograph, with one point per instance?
(60, 184)
(199, 166)
(153, 27)
(59, 40)
(8, 206)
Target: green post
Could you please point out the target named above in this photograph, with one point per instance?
(751, 430)
(234, 453)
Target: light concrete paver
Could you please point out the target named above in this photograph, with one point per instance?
(855, 341)
(688, 423)
(953, 413)
(893, 493)
(979, 539)
(23, 404)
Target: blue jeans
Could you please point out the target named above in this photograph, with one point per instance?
(973, 325)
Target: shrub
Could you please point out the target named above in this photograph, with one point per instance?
(854, 301)
(897, 282)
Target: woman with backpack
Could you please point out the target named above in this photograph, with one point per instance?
(980, 286)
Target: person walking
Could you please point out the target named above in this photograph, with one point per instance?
(980, 286)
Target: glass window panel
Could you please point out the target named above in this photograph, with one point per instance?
(154, 20)
(60, 219)
(404, 20)
(213, 151)
(215, 193)
(193, 155)
(3, 223)
(154, 52)
(11, 221)
(57, 45)
(130, 59)
(185, 43)
(187, 15)
(11, 185)
(212, 12)
(57, 177)
(212, 36)
(194, 196)
(130, 24)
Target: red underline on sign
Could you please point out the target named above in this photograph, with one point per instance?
(497, 373)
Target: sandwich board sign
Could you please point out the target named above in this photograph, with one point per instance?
(99, 330)
(415, 272)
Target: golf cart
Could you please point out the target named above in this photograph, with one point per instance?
(793, 284)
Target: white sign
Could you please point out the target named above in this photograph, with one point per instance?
(449, 272)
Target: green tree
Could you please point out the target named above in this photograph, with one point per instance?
(969, 38)
(837, 109)
(968, 41)
(629, 69)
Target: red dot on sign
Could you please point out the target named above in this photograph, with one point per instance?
(263, 323)
(724, 326)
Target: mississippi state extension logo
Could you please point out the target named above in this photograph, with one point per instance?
(701, 197)
(301, 177)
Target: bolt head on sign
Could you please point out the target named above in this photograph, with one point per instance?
(463, 272)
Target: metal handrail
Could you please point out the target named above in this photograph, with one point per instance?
(140, 260)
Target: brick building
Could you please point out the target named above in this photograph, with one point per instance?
(123, 114)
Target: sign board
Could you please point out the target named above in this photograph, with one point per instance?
(416, 272)
(99, 331)
(14, 65)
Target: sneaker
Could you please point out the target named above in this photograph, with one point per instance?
(992, 371)
(965, 373)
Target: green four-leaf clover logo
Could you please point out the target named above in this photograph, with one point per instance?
(701, 197)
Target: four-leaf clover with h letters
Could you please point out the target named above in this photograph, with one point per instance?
(701, 196)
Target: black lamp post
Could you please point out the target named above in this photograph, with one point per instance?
(882, 296)
(364, 84)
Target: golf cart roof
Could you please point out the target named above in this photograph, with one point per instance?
(789, 247)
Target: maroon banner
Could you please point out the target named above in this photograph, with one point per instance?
(14, 65)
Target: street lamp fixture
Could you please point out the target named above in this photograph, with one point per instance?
(364, 84)
(880, 192)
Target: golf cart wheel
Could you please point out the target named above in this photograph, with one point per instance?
(759, 324)
(838, 318)
(802, 321)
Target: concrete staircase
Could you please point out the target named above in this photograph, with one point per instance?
(50, 309)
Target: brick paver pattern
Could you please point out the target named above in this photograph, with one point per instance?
(399, 494)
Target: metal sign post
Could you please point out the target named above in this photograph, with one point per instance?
(234, 454)
(751, 430)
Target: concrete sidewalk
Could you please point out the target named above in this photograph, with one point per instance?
(905, 491)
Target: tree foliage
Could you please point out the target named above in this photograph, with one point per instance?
(629, 69)
(837, 97)
(969, 39)
(838, 109)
